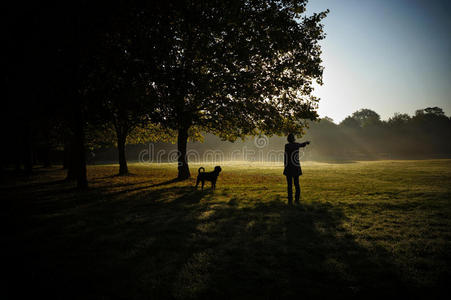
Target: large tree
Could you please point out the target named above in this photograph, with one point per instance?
(120, 103)
(233, 68)
(118, 80)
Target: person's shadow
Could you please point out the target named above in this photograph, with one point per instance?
(274, 251)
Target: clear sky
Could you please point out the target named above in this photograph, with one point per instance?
(386, 55)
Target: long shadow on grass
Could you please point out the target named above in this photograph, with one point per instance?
(176, 242)
(17, 180)
(115, 247)
(269, 250)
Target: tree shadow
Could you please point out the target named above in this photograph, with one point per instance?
(14, 179)
(32, 185)
(163, 183)
(274, 251)
(171, 241)
(94, 249)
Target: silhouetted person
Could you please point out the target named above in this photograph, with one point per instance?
(292, 168)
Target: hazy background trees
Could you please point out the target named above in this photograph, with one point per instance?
(425, 135)
(363, 135)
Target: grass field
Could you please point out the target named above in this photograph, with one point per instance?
(363, 228)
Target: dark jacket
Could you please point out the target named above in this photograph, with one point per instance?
(291, 159)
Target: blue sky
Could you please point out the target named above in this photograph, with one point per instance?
(388, 56)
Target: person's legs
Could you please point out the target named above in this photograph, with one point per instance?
(298, 189)
(290, 189)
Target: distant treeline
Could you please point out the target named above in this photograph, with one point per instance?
(363, 135)
(360, 136)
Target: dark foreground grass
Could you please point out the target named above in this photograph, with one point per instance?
(368, 228)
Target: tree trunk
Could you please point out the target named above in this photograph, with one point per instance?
(47, 163)
(66, 156)
(76, 161)
(123, 168)
(182, 140)
(79, 150)
(69, 159)
(27, 150)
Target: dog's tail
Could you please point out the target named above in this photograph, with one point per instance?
(201, 168)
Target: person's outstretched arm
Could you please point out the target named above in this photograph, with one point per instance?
(300, 145)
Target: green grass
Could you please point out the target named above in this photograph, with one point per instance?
(362, 228)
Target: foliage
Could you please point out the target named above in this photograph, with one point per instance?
(233, 68)
(151, 133)
(362, 118)
(364, 136)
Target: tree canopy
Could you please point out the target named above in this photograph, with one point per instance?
(234, 68)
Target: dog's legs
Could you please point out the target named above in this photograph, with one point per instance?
(203, 182)
(197, 182)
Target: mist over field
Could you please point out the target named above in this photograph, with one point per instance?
(361, 136)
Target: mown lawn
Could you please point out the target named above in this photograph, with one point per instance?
(363, 228)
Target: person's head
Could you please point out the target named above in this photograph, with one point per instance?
(291, 138)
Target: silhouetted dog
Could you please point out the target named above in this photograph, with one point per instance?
(209, 176)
